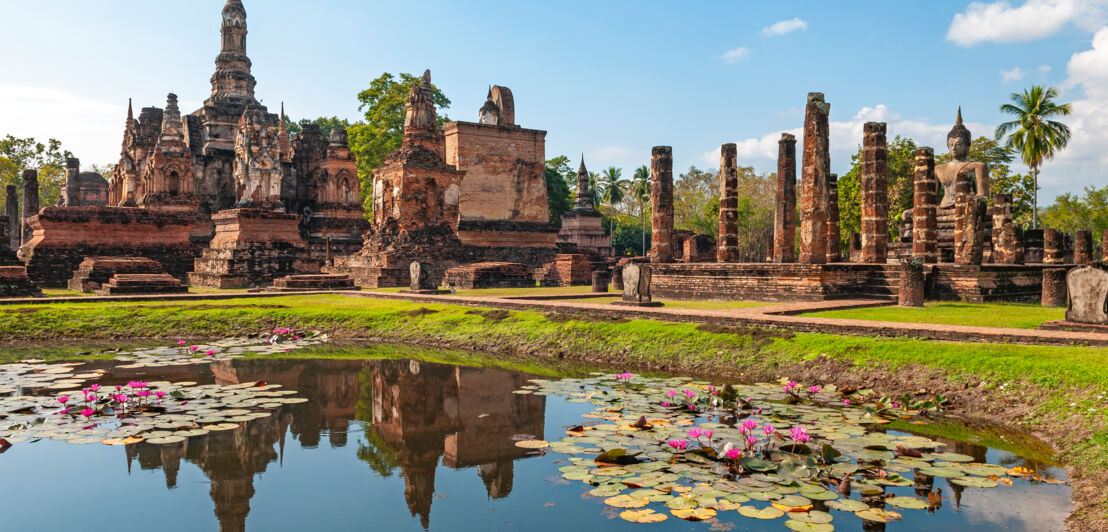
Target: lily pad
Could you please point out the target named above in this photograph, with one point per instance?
(645, 515)
(760, 513)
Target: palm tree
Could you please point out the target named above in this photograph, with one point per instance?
(1032, 134)
(612, 190)
(594, 188)
(640, 190)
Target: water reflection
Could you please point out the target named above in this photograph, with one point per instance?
(413, 416)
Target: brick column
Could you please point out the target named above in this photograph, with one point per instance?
(875, 194)
(1053, 249)
(661, 202)
(11, 210)
(925, 204)
(910, 290)
(30, 201)
(1007, 245)
(1083, 247)
(72, 182)
(834, 235)
(784, 211)
(727, 245)
(813, 181)
(1054, 287)
(969, 225)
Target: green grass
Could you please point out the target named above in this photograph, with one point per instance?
(1015, 315)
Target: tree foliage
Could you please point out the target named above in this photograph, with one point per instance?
(1072, 212)
(559, 175)
(325, 125)
(901, 175)
(18, 154)
(1033, 134)
(696, 201)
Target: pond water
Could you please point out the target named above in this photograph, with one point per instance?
(402, 444)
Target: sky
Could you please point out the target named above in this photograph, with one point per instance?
(605, 79)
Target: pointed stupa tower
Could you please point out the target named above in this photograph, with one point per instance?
(583, 226)
(584, 195)
(232, 81)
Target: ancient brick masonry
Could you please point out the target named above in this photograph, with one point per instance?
(834, 234)
(1007, 240)
(142, 283)
(252, 247)
(661, 202)
(1054, 287)
(969, 224)
(1083, 247)
(727, 246)
(926, 190)
(30, 201)
(72, 182)
(489, 275)
(784, 211)
(568, 269)
(875, 193)
(94, 272)
(1053, 247)
(15, 283)
(911, 289)
(11, 212)
(813, 181)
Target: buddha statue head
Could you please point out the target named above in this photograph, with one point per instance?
(958, 140)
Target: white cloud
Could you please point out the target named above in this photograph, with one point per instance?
(785, 26)
(1044, 69)
(736, 54)
(77, 122)
(1002, 22)
(604, 154)
(1015, 74)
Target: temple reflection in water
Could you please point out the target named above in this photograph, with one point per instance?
(412, 414)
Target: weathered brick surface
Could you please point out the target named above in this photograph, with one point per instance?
(1083, 247)
(504, 171)
(698, 248)
(813, 181)
(834, 234)
(583, 225)
(489, 275)
(11, 214)
(314, 282)
(1054, 287)
(252, 247)
(65, 236)
(875, 193)
(911, 289)
(727, 247)
(30, 201)
(784, 205)
(142, 283)
(661, 202)
(1053, 246)
(568, 269)
(94, 272)
(14, 282)
(600, 281)
(925, 203)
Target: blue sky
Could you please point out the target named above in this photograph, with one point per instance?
(610, 79)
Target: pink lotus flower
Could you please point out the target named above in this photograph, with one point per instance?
(789, 387)
(94, 387)
(118, 388)
(749, 424)
(624, 376)
(800, 434)
(120, 398)
(896, 405)
(689, 393)
(733, 453)
(159, 394)
(209, 352)
(678, 445)
(814, 389)
(671, 393)
(91, 398)
(88, 412)
(665, 403)
(295, 337)
(180, 342)
(846, 402)
(750, 441)
(63, 399)
(143, 393)
(708, 434)
(194, 348)
(695, 433)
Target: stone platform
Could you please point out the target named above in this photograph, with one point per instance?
(568, 269)
(14, 282)
(142, 283)
(489, 275)
(252, 247)
(62, 237)
(299, 283)
(818, 282)
(94, 272)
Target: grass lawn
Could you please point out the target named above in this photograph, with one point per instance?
(1016, 315)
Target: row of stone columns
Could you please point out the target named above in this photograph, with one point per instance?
(19, 228)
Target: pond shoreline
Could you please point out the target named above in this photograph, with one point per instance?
(746, 353)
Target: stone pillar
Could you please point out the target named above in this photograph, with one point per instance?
(834, 235)
(875, 194)
(600, 280)
(11, 210)
(72, 182)
(1007, 244)
(420, 273)
(636, 285)
(784, 212)
(1104, 246)
(30, 201)
(911, 283)
(727, 245)
(1083, 247)
(973, 231)
(661, 203)
(1054, 287)
(1053, 248)
(617, 277)
(925, 204)
(813, 181)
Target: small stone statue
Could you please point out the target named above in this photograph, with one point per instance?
(420, 108)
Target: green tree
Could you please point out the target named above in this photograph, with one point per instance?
(757, 194)
(696, 201)
(18, 154)
(594, 188)
(383, 106)
(325, 125)
(559, 200)
(1033, 134)
(613, 187)
(639, 193)
(1071, 212)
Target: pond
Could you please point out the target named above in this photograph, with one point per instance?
(407, 444)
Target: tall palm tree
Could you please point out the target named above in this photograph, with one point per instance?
(640, 190)
(612, 189)
(1033, 134)
(594, 188)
